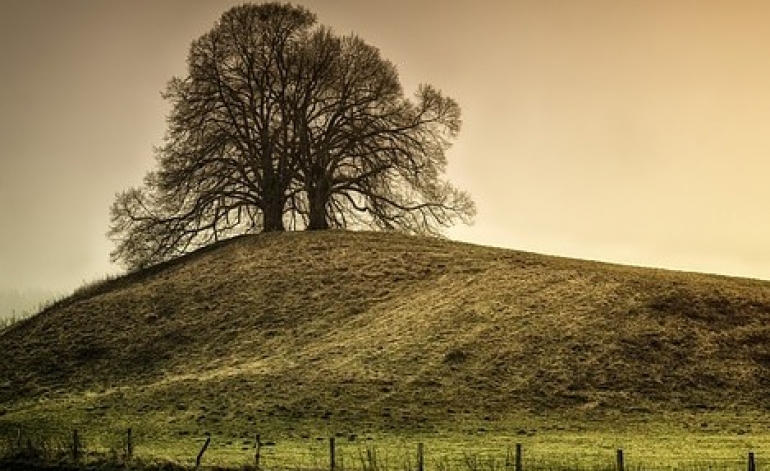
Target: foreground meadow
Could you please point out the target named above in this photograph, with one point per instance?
(684, 441)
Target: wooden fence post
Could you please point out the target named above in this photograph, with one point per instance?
(752, 464)
(332, 457)
(129, 445)
(371, 457)
(621, 464)
(258, 446)
(203, 450)
(75, 446)
(517, 458)
(420, 457)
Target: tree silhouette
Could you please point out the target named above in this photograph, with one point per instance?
(280, 121)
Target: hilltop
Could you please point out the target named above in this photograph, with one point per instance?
(373, 331)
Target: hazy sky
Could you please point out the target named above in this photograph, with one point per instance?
(633, 131)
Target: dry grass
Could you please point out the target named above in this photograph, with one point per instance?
(365, 333)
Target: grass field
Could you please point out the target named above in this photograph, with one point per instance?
(399, 340)
(702, 441)
(588, 450)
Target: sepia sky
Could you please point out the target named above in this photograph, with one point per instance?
(636, 132)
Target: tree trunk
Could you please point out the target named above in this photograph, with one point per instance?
(272, 217)
(317, 199)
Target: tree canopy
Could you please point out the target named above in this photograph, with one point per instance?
(282, 123)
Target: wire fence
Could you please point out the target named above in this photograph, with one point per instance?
(343, 453)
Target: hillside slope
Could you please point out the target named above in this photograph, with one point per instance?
(386, 330)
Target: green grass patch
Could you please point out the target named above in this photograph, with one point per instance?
(719, 442)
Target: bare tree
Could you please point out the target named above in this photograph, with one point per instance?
(375, 157)
(280, 120)
(228, 160)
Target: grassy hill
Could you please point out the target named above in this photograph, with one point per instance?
(363, 332)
